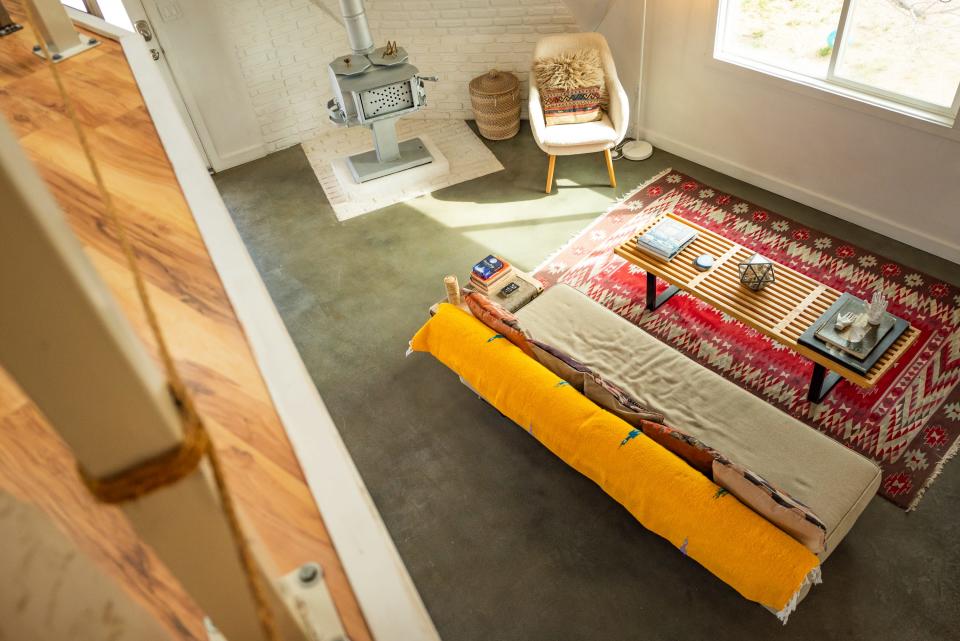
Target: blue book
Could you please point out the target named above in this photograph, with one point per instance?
(667, 238)
(488, 268)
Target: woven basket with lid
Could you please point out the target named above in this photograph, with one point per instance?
(495, 97)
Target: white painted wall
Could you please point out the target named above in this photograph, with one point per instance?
(254, 71)
(620, 23)
(853, 161)
(283, 47)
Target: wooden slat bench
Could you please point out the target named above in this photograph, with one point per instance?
(782, 311)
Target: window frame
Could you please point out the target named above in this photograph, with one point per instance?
(838, 85)
(90, 6)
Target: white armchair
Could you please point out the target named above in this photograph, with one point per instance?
(581, 138)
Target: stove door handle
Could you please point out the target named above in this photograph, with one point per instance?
(428, 79)
(335, 112)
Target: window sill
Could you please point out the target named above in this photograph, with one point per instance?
(934, 123)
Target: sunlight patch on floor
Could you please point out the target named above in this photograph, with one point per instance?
(536, 207)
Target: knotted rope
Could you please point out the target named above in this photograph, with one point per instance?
(169, 467)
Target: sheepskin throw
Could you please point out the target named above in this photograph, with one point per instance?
(569, 70)
(578, 71)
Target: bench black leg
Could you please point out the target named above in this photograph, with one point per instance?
(654, 301)
(821, 382)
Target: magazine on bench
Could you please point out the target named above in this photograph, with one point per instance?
(666, 239)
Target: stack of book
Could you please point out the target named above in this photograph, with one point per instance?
(666, 239)
(490, 274)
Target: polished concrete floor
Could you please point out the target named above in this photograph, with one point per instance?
(502, 539)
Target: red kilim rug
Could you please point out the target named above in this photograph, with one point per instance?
(909, 423)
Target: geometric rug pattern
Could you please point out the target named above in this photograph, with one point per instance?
(909, 423)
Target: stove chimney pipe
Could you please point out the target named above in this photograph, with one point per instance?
(355, 21)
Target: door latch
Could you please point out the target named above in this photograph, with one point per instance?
(143, 28)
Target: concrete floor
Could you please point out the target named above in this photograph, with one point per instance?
(502, 539)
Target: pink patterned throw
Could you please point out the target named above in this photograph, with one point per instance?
(909, 423)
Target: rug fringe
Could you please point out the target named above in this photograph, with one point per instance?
(933, 477)
(619, 201)
(814, 577)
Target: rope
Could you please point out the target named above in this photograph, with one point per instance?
(160, 471)
(171, 466)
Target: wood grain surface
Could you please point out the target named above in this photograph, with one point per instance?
(203, 332)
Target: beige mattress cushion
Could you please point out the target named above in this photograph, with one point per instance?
(835, 482)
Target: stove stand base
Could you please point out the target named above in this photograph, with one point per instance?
(84, 43)
(366, 166)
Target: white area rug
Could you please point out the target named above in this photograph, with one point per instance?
(461, 156)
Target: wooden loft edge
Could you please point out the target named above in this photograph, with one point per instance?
(389, 602)
(386, 593)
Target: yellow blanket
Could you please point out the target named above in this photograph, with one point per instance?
(663, 492)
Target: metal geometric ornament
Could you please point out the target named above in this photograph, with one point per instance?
(757, 272)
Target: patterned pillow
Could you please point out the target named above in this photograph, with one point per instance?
(778, 507)
(617, 401)
(563, 365)
(499, 320)
(773, 504)
(698, 454)
(602, 392)
(571, 106)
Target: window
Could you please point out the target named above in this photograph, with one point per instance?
(904, 52)
(112, 11)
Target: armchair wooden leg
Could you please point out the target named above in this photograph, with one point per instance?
(550, 166)
(609, 159)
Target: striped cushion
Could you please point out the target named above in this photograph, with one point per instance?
(569, 106)
(775, 505)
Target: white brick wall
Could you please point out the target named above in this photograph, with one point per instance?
(283, 47)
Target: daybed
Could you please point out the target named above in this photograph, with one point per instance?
(731, 541)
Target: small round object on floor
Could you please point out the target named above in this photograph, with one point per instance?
(703, 262)
(637, 150)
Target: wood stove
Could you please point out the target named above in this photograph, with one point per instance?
(373, 87)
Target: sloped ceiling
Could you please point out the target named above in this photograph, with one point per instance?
(588, 13)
